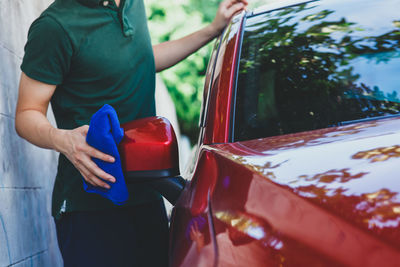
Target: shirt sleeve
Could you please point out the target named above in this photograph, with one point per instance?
(48, 51)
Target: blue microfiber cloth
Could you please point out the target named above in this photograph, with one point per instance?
(105, 134)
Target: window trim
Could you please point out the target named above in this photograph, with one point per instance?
(204, 112)
(231, 137)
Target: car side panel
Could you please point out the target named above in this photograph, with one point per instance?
(261, 223)
(246, 237)
(213, 227)
(192, 232)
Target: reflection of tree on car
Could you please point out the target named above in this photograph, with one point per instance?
(301, 167)
(379, 210)
(303, 74)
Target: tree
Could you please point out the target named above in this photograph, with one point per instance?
(169, 20)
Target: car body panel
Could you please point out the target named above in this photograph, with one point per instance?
(338, 205)
(327, 197)
(192, 234)
(271, 204)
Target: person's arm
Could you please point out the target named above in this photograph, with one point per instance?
(32, 124)
(169, 53)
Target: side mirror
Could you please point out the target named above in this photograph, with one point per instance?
(149, 153)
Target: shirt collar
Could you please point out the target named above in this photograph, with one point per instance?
(128, 29)
(93, 3)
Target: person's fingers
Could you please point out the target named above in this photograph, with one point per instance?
(226, 4)
(82, 146)
(234, 9)
(94, 153)
(192, 234)
(84, 129)
(91, 178)
(94, 169)
(230, 3)
(244, 2)
(98, 182)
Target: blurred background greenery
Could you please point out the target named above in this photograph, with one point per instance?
(170, 20)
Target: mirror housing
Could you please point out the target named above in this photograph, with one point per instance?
(149, 153)
(149, 149)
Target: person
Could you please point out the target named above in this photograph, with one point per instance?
(80, 55)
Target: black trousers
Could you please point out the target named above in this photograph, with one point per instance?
(131, 236)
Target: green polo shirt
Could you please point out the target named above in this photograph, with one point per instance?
(96, 53)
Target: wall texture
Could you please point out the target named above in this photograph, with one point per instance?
(27, 236)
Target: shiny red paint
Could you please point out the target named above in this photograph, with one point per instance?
(219, 110)
(192, 234)
(332, 210)
(271, 206)
(148, 144)
(203, 183)
(328, 197)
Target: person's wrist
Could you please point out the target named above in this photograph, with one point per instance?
(214, 30)
(57, 137)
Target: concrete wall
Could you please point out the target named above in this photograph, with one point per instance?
(27, 236)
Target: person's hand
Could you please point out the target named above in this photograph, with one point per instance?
(227, 9)
(72, 143)
(196, 236)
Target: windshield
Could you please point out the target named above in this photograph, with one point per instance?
(318, 65)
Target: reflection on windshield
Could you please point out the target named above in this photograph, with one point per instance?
(304, 68)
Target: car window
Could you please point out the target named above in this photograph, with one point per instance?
(318, 65)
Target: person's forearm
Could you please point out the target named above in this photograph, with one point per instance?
(169, 53)
(33, 126)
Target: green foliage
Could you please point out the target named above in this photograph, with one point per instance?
(170, 20)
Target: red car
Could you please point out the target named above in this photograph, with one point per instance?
(298, 157)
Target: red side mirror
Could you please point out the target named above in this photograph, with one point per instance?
(149, 149)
